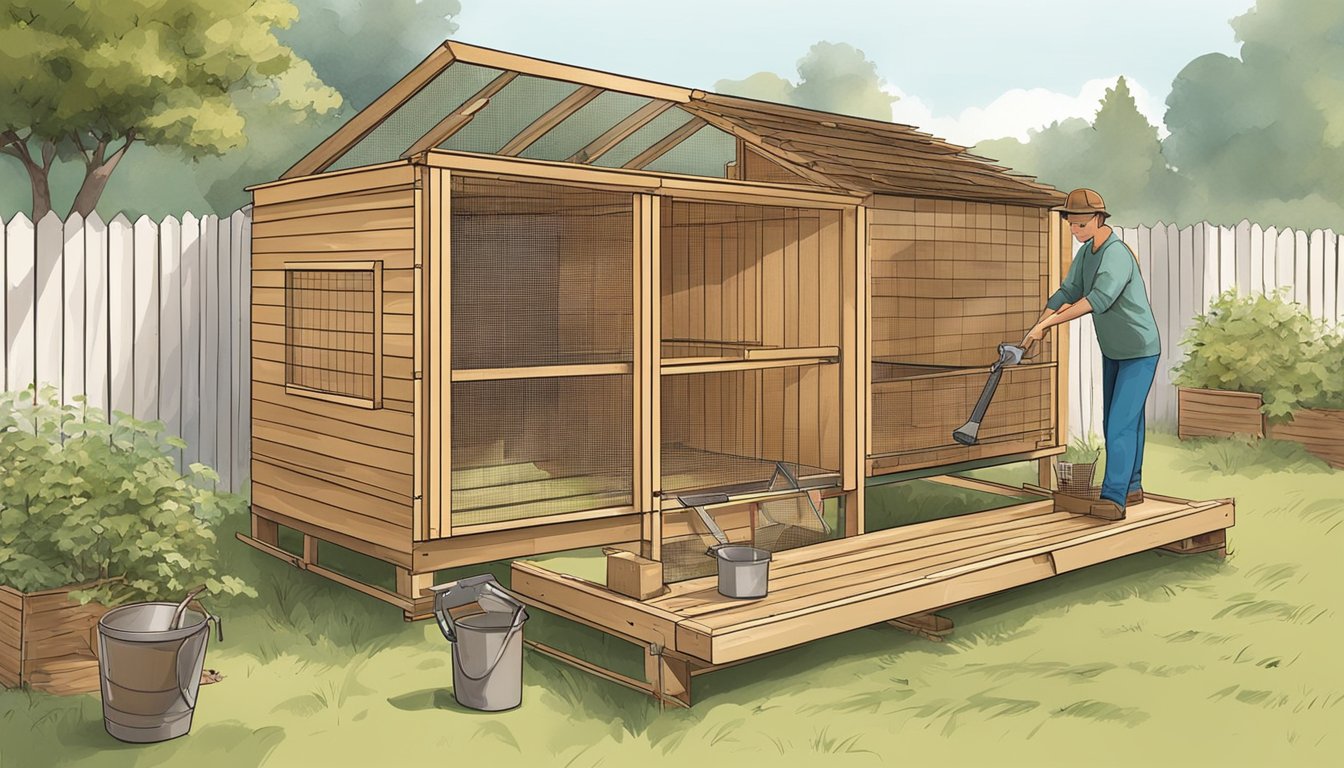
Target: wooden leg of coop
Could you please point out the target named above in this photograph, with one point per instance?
(1045, 472)
(1213, 541)
(411, 586)
(929, 626)
(265, 531)
(310, 549)
(669, 676)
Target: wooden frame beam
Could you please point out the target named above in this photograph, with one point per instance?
(371, 116)
(550, 119)
(488, 57)
(458, 119)
(619, 132)
(665, 145)
(788, 159)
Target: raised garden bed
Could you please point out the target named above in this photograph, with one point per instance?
(48, 641)
(1218, 413)
(1223, 413)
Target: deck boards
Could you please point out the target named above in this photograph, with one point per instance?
(835, 586)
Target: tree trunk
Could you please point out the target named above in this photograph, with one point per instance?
(41, 184)
(95, 181)
(38, 175)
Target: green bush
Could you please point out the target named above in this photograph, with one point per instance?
(1264, 344)
(84, 500)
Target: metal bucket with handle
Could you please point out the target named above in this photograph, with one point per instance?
(487, 642)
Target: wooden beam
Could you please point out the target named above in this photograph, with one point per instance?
(665, 144)
(458, 119)
(371, 116)
(487, 57)
(553, 117)
(619, 132)
(793, 162)
(542, 372)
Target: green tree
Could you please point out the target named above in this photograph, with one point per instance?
(833, 77)
(402, 32)
(1262, 134)
(1118, 154)
(86, 80)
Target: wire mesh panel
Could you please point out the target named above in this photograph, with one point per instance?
(529, 448)
(331, 327)
(920, 413)
(542, 274)
(726, 431)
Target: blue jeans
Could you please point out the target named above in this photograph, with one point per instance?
(1124, 390)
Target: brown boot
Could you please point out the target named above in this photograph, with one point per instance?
(1106, 510)
(1134, 497)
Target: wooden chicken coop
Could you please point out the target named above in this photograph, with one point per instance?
(516, 307)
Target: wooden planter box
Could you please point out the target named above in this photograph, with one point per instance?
(1320, 431)
(48, 642)
(1223, 413)
(1218, 413)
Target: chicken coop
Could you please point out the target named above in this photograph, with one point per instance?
(516, 307)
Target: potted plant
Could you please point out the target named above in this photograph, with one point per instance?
(1076, 467)
(1263, 366)
(93, 514)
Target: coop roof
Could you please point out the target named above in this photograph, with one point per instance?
(471, 99)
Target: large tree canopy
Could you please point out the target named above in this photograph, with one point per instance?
(1264, 132)
(87, 79)
(834, 77)
(1118, 154)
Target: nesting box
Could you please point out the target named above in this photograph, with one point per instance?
(515, 307)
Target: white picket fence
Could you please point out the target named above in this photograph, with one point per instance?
(1183, 269)
(148, 318)
(153, 319)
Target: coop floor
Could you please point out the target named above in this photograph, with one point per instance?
(836, 586)
(527, 490)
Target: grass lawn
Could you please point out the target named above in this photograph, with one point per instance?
(1154, 659)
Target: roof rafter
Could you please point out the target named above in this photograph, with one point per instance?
(618, 133)
(666, 144)
(458, 119)
(488, 57)
(359, 126)
(550, 119)
(793, 162)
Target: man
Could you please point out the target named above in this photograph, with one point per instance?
(1104, 281)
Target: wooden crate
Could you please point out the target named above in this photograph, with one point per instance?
(1320, 431)
(48, 641)
(1218, 413)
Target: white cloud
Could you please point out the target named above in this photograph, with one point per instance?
(1018, 111)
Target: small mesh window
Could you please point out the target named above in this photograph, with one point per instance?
(331, 322)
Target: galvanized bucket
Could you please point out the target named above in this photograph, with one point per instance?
(743, 571)
(487, 642)
(150, 676)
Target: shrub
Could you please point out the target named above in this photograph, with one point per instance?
(1263, 344)
(84, 500)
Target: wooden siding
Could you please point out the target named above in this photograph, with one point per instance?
(340, 468)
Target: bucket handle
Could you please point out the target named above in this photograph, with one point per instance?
(184, 686)
(514, 627)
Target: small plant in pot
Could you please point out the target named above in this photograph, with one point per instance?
(98, 509)
(1077, 466)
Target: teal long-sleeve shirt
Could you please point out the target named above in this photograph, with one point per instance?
(1110, 281)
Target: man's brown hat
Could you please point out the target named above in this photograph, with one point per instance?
(1083, 201)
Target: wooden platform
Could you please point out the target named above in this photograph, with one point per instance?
(840, 585)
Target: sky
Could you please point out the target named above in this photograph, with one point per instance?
(965, 70)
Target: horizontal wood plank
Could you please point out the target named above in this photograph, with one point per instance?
(347, 221)
(331, 494)
(389, 536)
(399, 483)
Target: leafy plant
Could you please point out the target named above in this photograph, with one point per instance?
(1264, 344)
(1083, 450)
(83, 499)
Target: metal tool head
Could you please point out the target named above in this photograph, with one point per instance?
(1009, 355)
